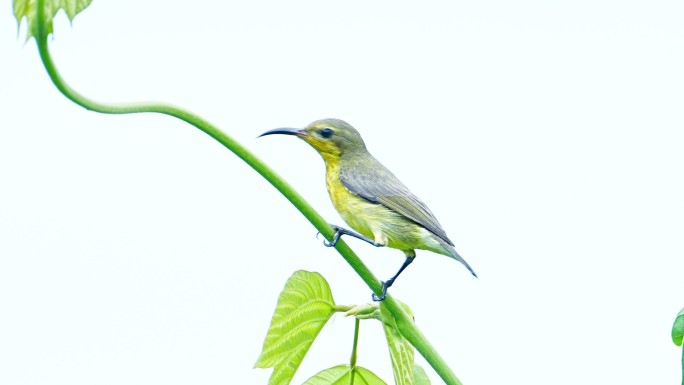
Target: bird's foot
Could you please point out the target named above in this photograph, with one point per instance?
(385, 285)
(335, 238)
(382, 296)
(340, 231)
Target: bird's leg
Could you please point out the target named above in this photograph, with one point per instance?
(386, 284)
(340, 231)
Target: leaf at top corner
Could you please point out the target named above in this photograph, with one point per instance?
(678, 329)
(341, 375)
(401, 351)
(419, 376)
(304, 306)
(27, 9)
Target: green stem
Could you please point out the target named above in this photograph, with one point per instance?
(352, 360)
(343, 308)
(404, 323)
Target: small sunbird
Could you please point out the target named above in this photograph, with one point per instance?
(370, 198)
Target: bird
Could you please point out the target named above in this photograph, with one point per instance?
(370, 198)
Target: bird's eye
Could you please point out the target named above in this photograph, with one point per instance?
(326, 132)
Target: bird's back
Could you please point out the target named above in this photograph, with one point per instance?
(380, 199)
(365, 177)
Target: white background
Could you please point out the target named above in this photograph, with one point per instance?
(546, 136)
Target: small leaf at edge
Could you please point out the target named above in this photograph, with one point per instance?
(678, 329)
(27, 9)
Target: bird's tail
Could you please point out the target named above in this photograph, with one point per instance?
(453, 254)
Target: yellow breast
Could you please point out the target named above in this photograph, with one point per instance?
(350, 206)
(372, 220)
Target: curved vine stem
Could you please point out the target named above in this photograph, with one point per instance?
(404, 322)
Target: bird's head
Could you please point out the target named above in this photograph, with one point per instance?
(330, 137)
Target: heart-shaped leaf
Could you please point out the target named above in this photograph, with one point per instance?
(342, 375)
(304, 306)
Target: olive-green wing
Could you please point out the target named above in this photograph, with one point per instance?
(373, 182)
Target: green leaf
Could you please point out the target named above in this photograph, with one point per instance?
(304, 306)
(27, 9)
(419, 376)
(342, 375)
(678, 329)
(401, 351)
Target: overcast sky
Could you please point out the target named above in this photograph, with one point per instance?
(547, 137)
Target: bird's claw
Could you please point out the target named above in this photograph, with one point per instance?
(335, 238)
(382, 296)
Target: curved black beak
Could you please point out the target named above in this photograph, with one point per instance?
(284, 131)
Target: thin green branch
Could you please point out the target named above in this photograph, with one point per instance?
(352, 360)
(343, 308)
(404, 322)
